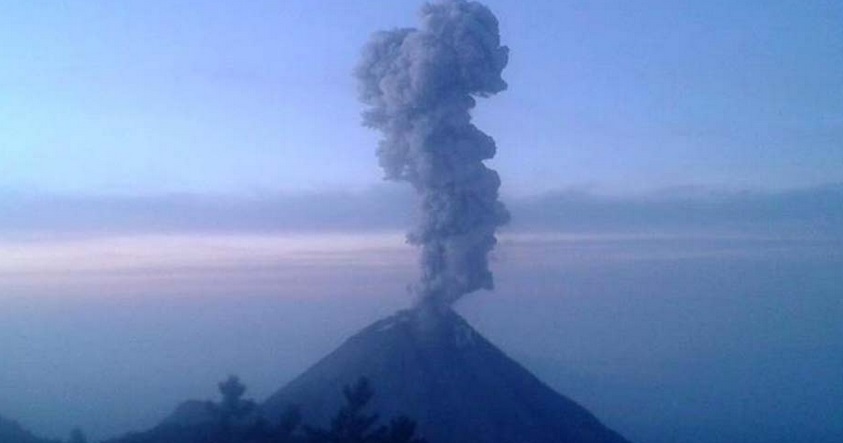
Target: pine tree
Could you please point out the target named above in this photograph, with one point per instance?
(353, 425)
(231, 411)
(288, 426)
(402, 430)
(286, 430)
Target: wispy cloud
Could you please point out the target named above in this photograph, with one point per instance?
(316, 243)
(806, 212)
(184, 264)
(31, 214)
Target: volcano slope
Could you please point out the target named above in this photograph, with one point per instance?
(435, 368)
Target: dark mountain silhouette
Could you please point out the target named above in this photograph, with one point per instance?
(236, 420)
(189, 413)
(12, 432)
(435, 368)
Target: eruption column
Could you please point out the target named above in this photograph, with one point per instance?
(420, 86)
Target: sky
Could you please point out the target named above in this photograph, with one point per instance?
(161, 97)
(179, 176)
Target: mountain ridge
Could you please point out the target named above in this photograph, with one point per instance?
(12, 432)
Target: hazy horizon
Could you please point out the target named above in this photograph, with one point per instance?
(623, 322)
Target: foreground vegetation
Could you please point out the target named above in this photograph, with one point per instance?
(237, 420)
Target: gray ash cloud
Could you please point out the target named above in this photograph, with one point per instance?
(420, 86)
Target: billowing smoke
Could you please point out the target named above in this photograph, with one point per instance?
(420, 86)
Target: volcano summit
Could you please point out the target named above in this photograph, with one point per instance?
(435, 368)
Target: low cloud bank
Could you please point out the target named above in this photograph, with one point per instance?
(34, 214)
(814, 212)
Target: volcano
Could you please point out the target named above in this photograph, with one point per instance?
(435, 368)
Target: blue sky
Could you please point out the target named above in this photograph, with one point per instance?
(256, 97)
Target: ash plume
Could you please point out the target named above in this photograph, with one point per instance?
(420, 86)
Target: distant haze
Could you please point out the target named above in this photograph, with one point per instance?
(685, 315)
(708, 340)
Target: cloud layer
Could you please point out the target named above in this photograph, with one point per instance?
(804, 212)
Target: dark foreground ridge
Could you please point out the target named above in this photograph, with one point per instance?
(12, 432)
(435, 368)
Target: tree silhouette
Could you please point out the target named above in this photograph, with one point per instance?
(286, 430)
(236, 420)
(288, 426)
(230, 413)
(402, 430)
(353, 425)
